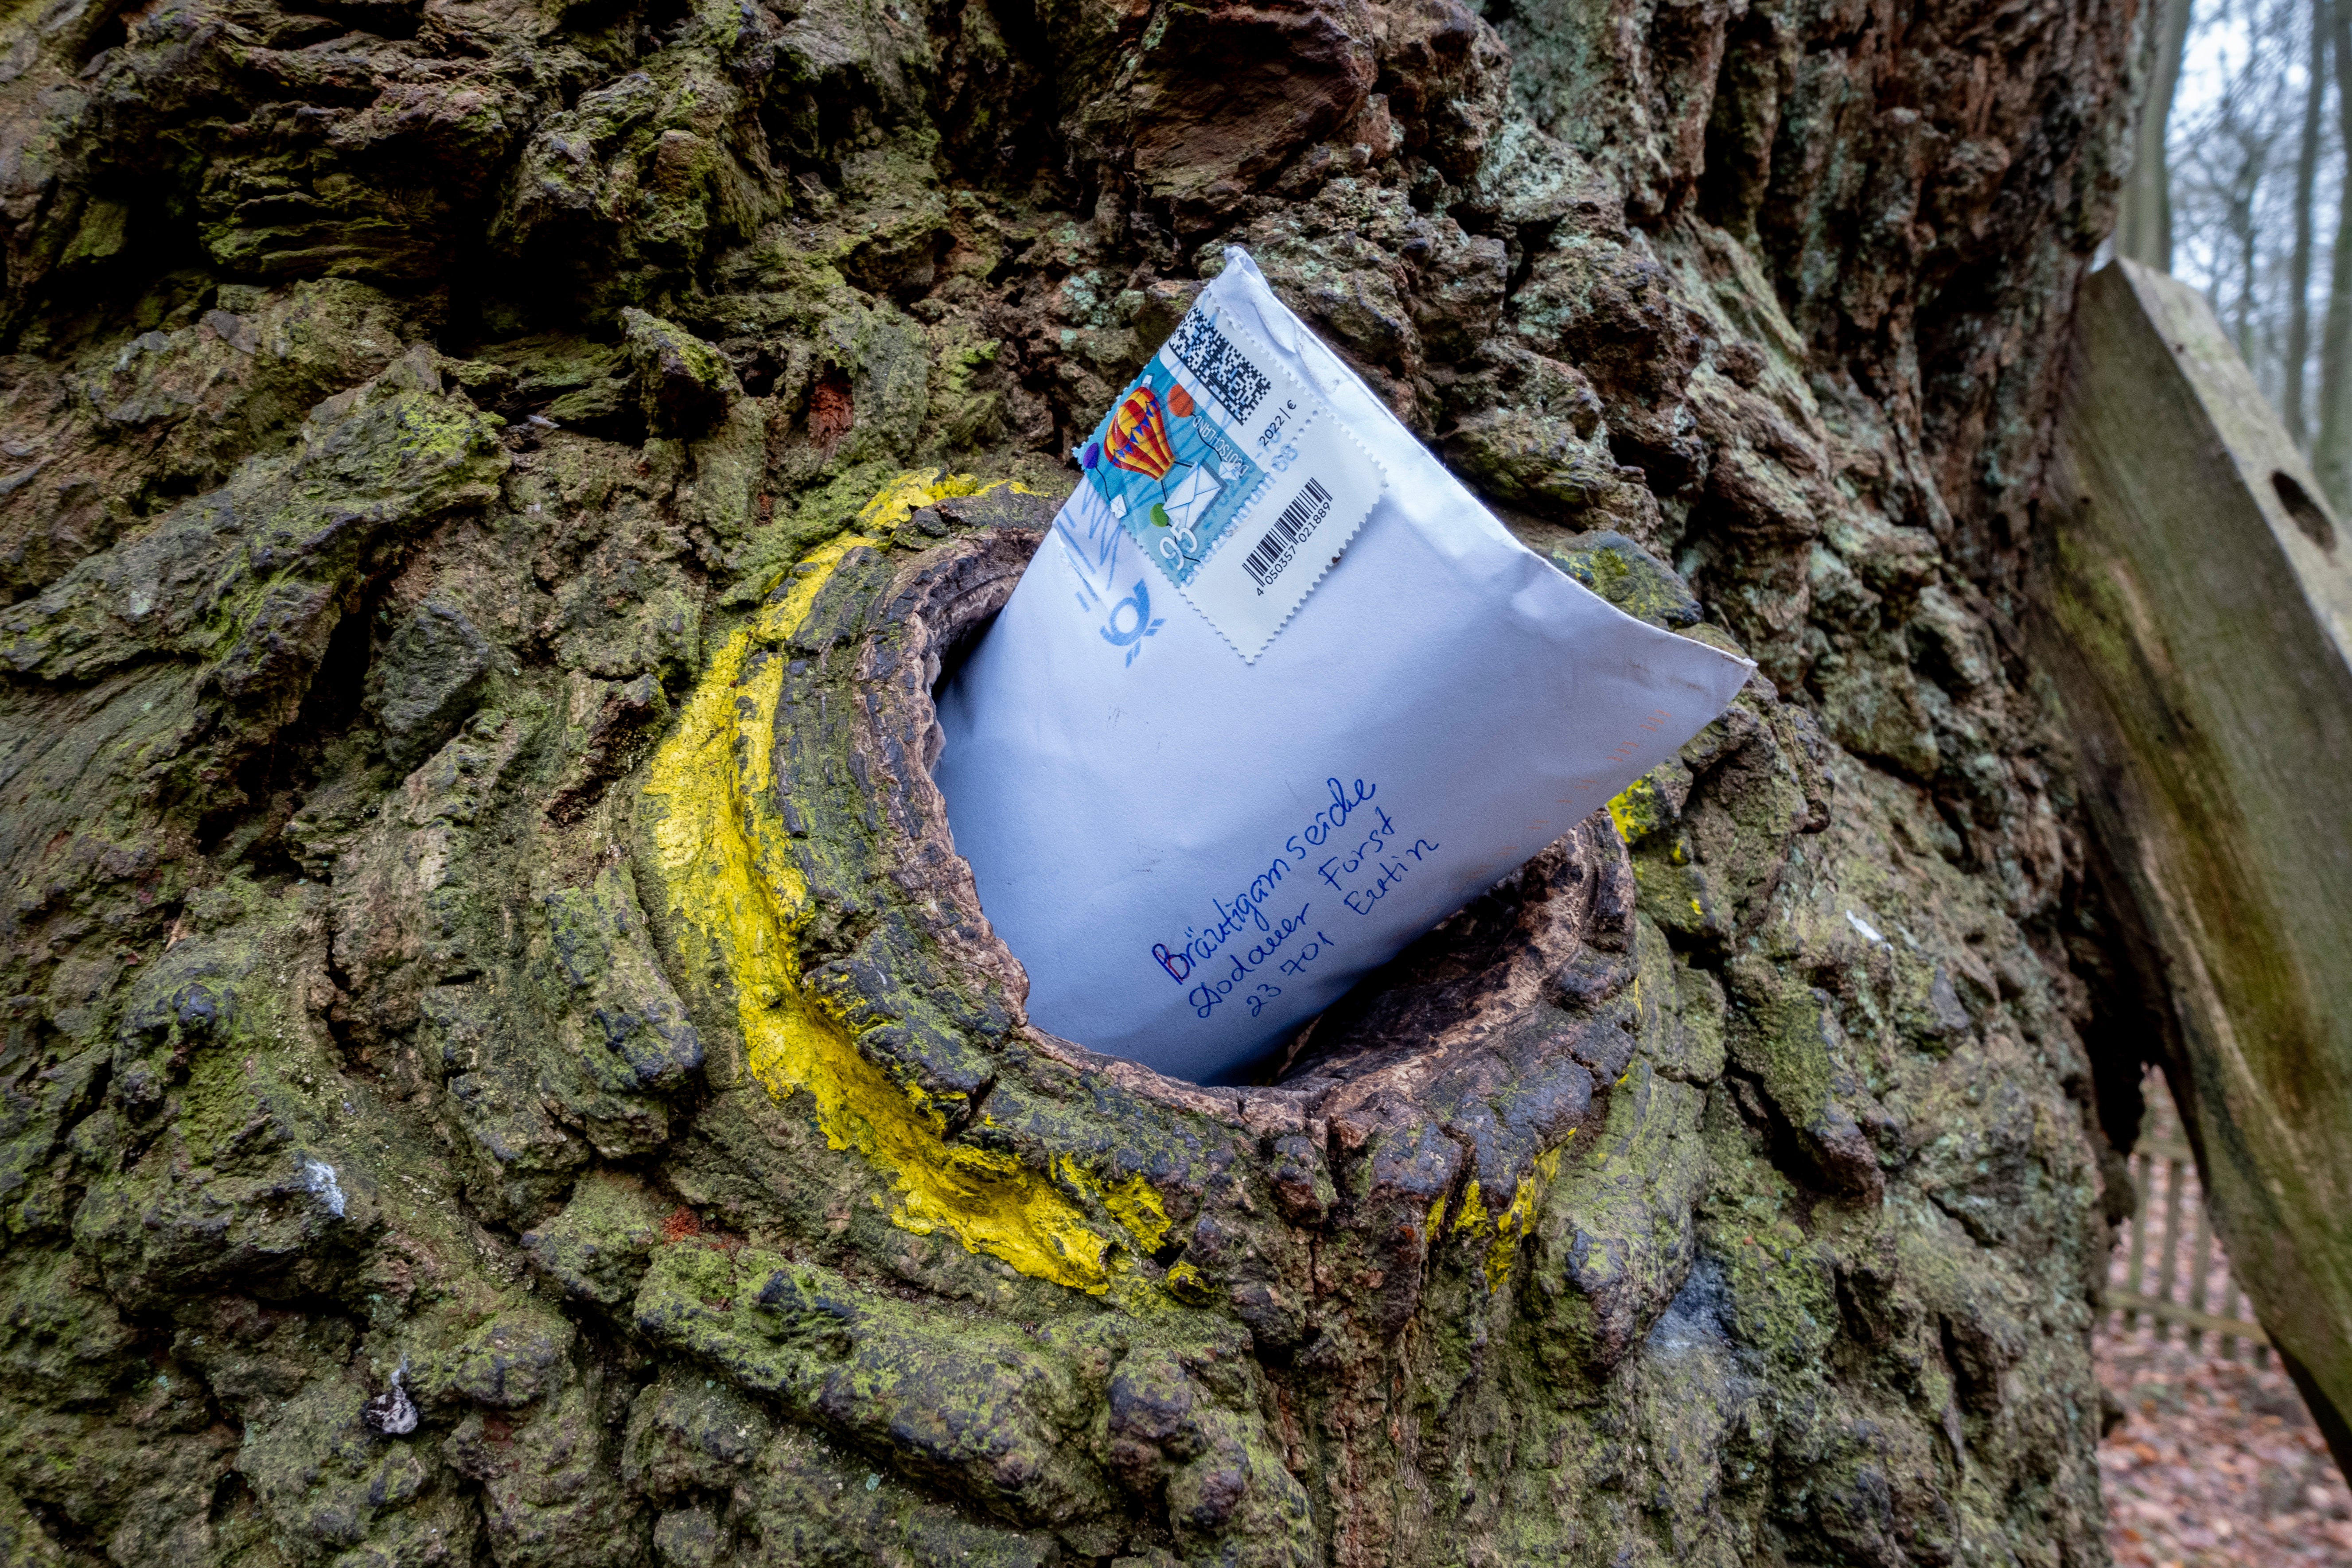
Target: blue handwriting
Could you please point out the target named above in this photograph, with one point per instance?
(1333, 817)
(1244, 914)
(1205, 997)
(1377, 852)
(1307, 955)
(1201, 944)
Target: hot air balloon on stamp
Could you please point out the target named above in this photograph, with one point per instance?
(1164, 461)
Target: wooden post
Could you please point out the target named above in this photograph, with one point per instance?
(2164, 1271)
(2144, 1170)
(2194, 610)
(2200, 1268)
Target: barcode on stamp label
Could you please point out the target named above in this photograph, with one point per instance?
(1220, 375)
(1280, 545)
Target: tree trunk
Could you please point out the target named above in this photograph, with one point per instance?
(2247, 235)
(503, 1062)
(2332, 454)
(2307, 191)
(2144, 220)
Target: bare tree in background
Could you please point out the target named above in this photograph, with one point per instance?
(2330, 456)
(2144, 225)
(2251, 138)
(2217, 198)
(2306, 186)
(2227, 204)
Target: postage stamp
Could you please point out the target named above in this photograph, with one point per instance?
(1162, 459)
(1216, 440)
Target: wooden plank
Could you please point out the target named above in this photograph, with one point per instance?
(2201, 1264)
(2164, 1269)
(2144, 1171)
(2170, 1312)
(2194, 612)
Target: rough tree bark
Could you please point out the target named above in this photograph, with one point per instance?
(503, 1062)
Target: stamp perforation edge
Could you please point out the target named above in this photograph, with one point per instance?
(1245, 523)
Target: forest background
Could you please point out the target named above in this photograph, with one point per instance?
(2241, 189)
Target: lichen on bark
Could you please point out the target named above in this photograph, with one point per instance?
(503, 1062)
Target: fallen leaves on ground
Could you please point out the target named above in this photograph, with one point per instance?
(2215, 1463)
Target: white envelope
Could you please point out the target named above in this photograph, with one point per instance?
(1194, 853)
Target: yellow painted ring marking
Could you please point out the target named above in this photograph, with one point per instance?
(722, 853)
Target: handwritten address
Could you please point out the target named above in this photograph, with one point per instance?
(1351, 845)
